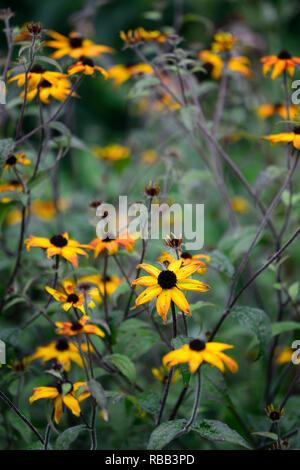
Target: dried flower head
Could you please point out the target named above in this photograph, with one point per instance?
(172, 241)
(272, 414)
(152, 189)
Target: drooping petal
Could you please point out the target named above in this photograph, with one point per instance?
(163, 304)
(72, 403)
(188, 270)
(58, 405)
(179, 299)
(150, 269)
(193, 285)
(43, 392)
(230, 363)
(148, 295)
(145, 281)
(56, 294)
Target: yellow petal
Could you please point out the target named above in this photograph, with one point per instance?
(193, 285)
(150, 269)
(179, 299)
(72, 403)
(148, 295)
(163, 304)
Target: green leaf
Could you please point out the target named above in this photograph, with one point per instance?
(257, 322)
(270, 435)
(218, 431)
(266, 177)
(201, 304)
(5, 146)
(284, 326)
(66, 438)
(165, 433)
(134, 338)
(236, 243)
(294, 290)
(221, 263)
(124, 364)
(39, 178)
(189, 116)
(48, 60)
(213, 385)
(149, 402)
(97, 392)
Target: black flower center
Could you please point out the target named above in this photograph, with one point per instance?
(274, 416)
(75, 42)
(296, 130)
(37, 69)
(108, 239)
(59, 388)
(76, 326)
(45, 84)
(73, 298)
(277, 105)
(208, 67)
(167, 279)
(284, 55)
(88, 61)
(11, 160)
(185, 255)
(62, 345)
(197, 345)
(106, 278)
(59, 241)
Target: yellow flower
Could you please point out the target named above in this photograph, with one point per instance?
(187, 258)
(46, 210)
(36, 76)
(111, 245)
(166, 285)
(110, 285)
(285, 137)
(121, 73)
(149, 156)
(113, 152)
(284, 356)
(212, 63)
(88, 67)
(272, 414)
(78, 327)
(223, 42)
(284, 61)
(13, 185)
(62, 393)
(19, 365)
(75, 46)
(161, 374)
(240, 64)
(240, 204)
(266, 110)
(12, 160)
(140, 34)
(58, 245)
(62, 350)
(71, 297)
(59, 90)
(197, 351)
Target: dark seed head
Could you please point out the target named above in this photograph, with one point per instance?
(296, 130)
(11, 160)
(59, 241)
(76, 326)
(59, 388)
(73, 298)
(185, 255)
(197, 345)
(45, 84)
(37, 69)
(208, 67)
(75, 42)
(284, 55)
(274, 416)
(108, 239)
(88, 61)
(62, 345)
(167, 279)
(106, 278)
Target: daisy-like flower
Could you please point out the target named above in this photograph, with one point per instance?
(266, 110)
(46, 210)
(285, 137)
(152, 189)
(197, 352)
(214, 64)
(110, 284)
(166, 285)
(140, 34)
(239, 204)
(111, 245)
(62, 350)
(78, 327)
(120, 73)
(70, 297)
(88, 67)
(272, 414)
(282, 61)
(223, 42)
(162, 373)
(36, 76)
(113, 152)
(75, 46)
(58, 90)
(187, 258)
(58, 245)
(62, 394)
(12, 185)
(12, 160)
